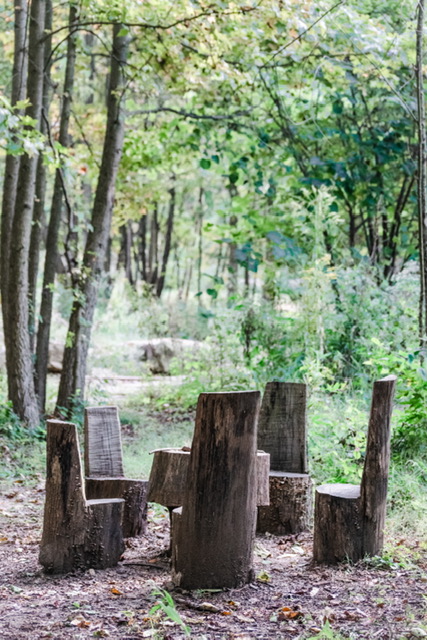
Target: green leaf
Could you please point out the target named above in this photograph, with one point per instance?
(205, 163)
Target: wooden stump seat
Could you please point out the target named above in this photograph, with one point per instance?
(282, 432)
(214, 530)
(104, 468)
(349, 519)
(77, 533)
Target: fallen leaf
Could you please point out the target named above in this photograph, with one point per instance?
(116, 592)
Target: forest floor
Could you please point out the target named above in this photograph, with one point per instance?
(291, 598)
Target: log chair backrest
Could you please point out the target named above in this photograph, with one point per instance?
(373, 489)
(103, 443)
(65, 494)
(282, 426)
(219, 507)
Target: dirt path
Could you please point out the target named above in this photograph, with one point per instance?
(290, 599)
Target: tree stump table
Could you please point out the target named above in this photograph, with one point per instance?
(168, 478)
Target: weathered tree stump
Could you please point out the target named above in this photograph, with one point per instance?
(77, 533)
(290, 504)
(349, 519)
(213, 539)
(168, 479)
(104, 468)
(133, 492)
(282, 432)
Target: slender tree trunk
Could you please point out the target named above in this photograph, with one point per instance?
(422, 175)
(168, 242)
(39, 204)
(19, 78)
(72, 381)
(200, 246)
(142, 234)
(46, 305)
(18, 352)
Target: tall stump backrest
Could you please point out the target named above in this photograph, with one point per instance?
(213, 538)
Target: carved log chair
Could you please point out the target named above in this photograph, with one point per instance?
(214, 530)
(77, 533)
(282, 432)
(168, 478)
(104, 468)
(349, 519)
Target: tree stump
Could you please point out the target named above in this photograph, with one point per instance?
(77, 533)
(133, 492)
(290, 504)
(282, 432)
(349, 519)
(104, 468)
(213, 539)
(168, 479)
(338, 524)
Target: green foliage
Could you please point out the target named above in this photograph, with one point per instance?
(410, 434)
(326, 633)
(165, 603)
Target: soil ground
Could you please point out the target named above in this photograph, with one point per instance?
(291, 598)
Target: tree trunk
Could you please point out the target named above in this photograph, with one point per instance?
(290, 505)
(71, 387)
(18, 352)
(41, 176)
(422, 176)
(213, 538)
(11, 172)
(51, 258)
(168, 241)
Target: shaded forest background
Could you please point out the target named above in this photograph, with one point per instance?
(239, 174)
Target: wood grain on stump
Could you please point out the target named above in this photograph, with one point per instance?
(282, 432)
(213, 538)
(76, 533)
(290, 505)
(104, 468)
(349, 519)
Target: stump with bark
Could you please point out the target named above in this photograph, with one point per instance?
(77, 533)
(349, 519)
(213, 537)
(168, 478)
(282, 432)
(104, 468)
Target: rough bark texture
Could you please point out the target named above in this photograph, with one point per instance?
(40, 189)
(377, 462)
(349, 519)
(290, 507)
(71, 387)
(104, 468)
(46, 304)
(76, 533)
(133, 492)
(168, 477)
(213, 542)
(337, 524)
(18, 351)
(103, 443)
(421, 174)
(11, 170)
(282, 429)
